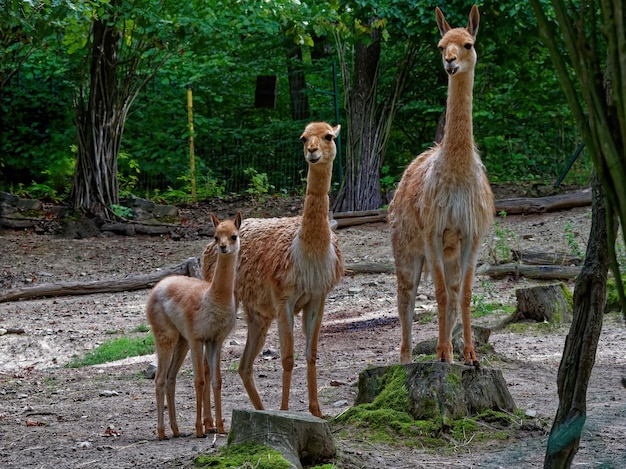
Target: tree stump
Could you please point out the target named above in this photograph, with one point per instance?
(443, 391)
(298, 436)
(551, 303)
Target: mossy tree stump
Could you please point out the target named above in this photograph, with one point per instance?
(443, 391)
(299, 437)
(551, 303)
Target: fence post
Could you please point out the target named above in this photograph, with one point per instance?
(192, 159)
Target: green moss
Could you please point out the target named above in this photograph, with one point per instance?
(387, 420)
(235, 456)
(389, 415)
(568, 295)
(612, 297)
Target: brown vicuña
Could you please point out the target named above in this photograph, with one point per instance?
(288, 265)
(444, 205)
(190, 313)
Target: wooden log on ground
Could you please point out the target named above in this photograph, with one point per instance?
(370, 268)
(545, 258)
(190, 267)
(551, 303)
(538, 272)
(525, 205)
(131, 229)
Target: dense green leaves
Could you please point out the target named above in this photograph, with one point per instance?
(523, 126)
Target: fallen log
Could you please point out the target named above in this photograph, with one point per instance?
(537, 272)
(514, 206)
(545, 258)
(370, 268)
(190, 267)
(553, 203)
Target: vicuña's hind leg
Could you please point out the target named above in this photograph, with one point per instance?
(408, 274)
(468, 265)
(257, 332)
(213, 354)
(207, 421)
(285, 334)
(311, 323)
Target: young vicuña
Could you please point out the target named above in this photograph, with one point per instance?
(288, 265)
(444, 205)
(190, 313)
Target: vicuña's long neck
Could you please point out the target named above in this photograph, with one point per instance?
(223, 283)
(315, 229)
(458, 139)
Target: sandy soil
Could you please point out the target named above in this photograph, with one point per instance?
(105, 416)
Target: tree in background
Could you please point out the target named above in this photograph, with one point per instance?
(123, 45)
(594, 44)
(361, 37)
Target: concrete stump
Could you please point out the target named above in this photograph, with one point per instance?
(298, 436)
(443, 391)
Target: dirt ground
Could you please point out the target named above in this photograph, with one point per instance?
(105, 416)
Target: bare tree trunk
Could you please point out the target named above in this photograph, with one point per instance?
(369, 123)
(582, 341)
(297, 83)
(100, 124)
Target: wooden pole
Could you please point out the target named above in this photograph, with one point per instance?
(192, 159)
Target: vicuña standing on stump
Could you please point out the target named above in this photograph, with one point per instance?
(444, 205)
(186, 313)
(288, 265)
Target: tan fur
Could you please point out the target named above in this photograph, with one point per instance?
(191, 313)
(444, 205)
(288, 265)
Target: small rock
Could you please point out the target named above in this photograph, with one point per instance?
(531, 413)
(340, 403)
(150, 372)
(106, 393)
(334, 382)
(355, 290)
(84, 445)
(234, 342)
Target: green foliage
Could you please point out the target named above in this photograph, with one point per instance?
(499, 247)
(121, 211)
(572, 243)
(522, 124)
(242, 456)
(259, 184)
(116, 349)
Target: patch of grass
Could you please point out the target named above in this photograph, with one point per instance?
(142, 328)
(243, 456)
(116, 349)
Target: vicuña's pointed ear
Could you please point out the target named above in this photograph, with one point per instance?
(474, 20)
(214, 220)
(238, 220)
(442, 24)
(336, 130)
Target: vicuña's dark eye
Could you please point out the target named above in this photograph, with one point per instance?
(329, 137)
(440, 49)
(216, 240)
(468, 46)
(234, 237)
(303, 139)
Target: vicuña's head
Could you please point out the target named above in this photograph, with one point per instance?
(226, 234)
(319, 143)
(457, 44)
